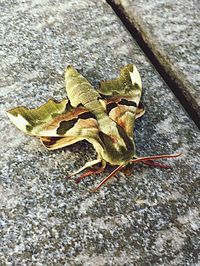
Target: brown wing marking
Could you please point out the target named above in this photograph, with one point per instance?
(52, 143)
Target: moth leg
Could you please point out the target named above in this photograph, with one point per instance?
(108, 177)
(88, 164)
(90, 172)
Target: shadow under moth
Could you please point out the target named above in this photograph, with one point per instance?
(104, 117)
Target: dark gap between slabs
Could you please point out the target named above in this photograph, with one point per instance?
(193, 111)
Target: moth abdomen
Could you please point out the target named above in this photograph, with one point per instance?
(79, 90)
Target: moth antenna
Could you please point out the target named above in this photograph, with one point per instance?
(155, 157)
(108, 177)
(154, 164)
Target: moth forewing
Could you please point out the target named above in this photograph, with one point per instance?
(33, 121)
(19, 121)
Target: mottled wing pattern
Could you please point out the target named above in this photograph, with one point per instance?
(82, 129)
(51, 119)
(83, 117)
(122, 96)
(71, 131)
(38, 121)
(57, 124)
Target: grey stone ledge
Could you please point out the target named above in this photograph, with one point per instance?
(149, 217)
(171, 30)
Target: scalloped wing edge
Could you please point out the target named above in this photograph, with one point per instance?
(25, 119)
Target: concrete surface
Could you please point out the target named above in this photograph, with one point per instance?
(148, 218)
(171, 30)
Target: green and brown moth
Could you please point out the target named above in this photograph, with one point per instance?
(104, 117)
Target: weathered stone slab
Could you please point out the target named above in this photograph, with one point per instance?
(150, 217)
(171, 30)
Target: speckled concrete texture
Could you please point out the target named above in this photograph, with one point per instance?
(171, 30)
(150, 217)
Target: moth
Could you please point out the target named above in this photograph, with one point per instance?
(104, 117)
